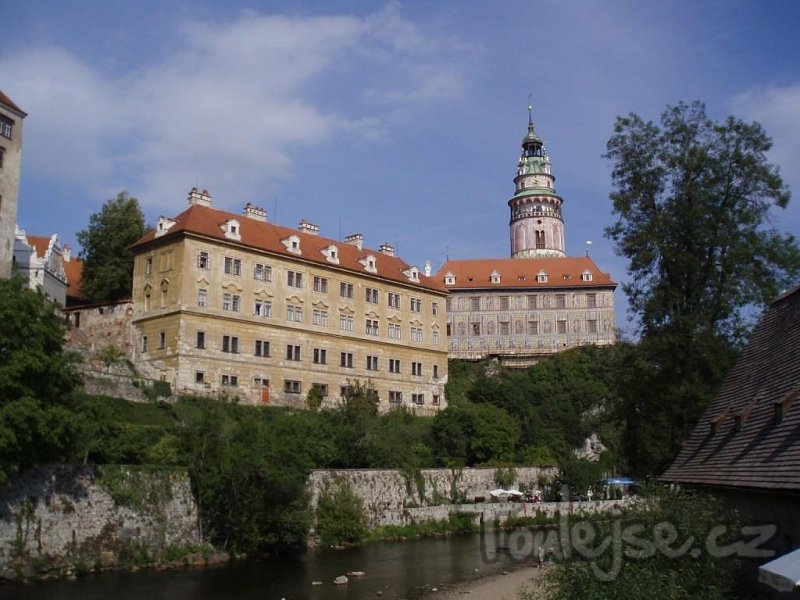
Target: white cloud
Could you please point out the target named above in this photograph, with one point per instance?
(230, 108)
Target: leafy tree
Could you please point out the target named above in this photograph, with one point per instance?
(108, 260)
(692, 199)
(473, 434)
(340, 516)
(37, 379)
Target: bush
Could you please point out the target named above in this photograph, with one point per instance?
(340, 516)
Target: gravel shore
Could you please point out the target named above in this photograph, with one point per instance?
(497, 587)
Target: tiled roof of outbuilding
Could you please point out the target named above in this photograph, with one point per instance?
(740, 441)
(259, 235)
(521, 273)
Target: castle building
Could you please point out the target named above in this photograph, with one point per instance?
(40, 261)
(11, 117)
(233, 303)
(539, 301)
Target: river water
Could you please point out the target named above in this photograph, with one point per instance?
(395, 569)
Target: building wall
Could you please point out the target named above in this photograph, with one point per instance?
(11, 162)
(520, 325)
(177, 274)
(42, 272)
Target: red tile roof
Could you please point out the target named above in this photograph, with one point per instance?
(7, 101)
(521, 273)
(258, 235)
(74, 270)
(39, 243)
(739, 442)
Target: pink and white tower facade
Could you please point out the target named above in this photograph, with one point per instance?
(537, 226)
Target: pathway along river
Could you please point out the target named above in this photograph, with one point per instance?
(395, 569)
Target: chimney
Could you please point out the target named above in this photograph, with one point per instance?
(251, 211)
(387, 249)
(201, 198)
(356, 239)
(307, 227)
(67, 253)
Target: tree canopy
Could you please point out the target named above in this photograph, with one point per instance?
(692, 198)
(108, 260)
(37, 379)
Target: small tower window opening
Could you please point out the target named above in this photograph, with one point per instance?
(539, 239)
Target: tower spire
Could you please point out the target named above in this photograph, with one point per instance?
(537, 226)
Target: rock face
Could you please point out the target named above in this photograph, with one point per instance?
(592, 449)
(54, 520)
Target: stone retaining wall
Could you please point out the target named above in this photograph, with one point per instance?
(54, 519)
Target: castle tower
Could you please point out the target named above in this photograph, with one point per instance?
(10, 161)
(536, 226)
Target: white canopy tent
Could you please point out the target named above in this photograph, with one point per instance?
(783, 573)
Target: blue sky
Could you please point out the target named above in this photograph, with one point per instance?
(398, 120)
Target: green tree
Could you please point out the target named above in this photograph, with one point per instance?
(692, 199)
(108, 266)
(37, 379)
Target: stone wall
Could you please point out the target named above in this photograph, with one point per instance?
(393, 497)
(54, 519)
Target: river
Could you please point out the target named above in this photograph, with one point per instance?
(394, 569)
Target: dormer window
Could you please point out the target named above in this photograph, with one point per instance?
(292, 244)
(586, 275)
(412, 273)
(164, 225)
(331, 254)
(449, 278)
(231, 229)
(494, 277)
(369, 263)
(541, 277)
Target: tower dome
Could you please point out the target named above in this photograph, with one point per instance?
(537, 225)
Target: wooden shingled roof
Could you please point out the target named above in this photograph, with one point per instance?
(267, 237)
(750, 435)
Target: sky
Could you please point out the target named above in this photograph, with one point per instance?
(398, 120)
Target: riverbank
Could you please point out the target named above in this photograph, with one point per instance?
(504, 586)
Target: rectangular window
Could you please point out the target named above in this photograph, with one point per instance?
(148, 265)
(436, 399)
(294, 313)
(201, 340)
(291, 387)
(292, 352)
(503, 302)
(394, 331)
(6, 126)
(531, 302)
(320, 317)
(416, 369)
(393, 299)
(230, 380)
(346, 290)
(533, 327)
(435, 309)
(394, 365)
(231, 302)
(562, 326)
(202, 297)
(230, 343)
(418, 398)
(2, 154)
(262, 272)
(561, 301)
(162, 340)
(262, 309)
(475, 303)
(144, 343)
(320, 284)
(372, 363)
(261, 348)
(199, 377)
(294, 279)
(435, 337)
(346, 360)
(591, 326)
(346, 322)
(322, 387)
(476, 328)
(591, 300)
(371, 295)
(436, 371)
(416, 305)
(203, 261)
(320, 356)
(371, 327)
(416, 334)
(233, 266)
(395, 397)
